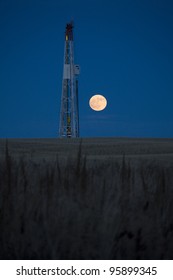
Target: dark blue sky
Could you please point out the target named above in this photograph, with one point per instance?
(125, 51)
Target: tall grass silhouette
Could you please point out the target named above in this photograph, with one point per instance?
(85, 209)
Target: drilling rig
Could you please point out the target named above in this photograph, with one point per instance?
(69, 111)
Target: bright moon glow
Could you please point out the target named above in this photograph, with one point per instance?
(98, 102)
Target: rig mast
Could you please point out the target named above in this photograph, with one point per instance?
(69, 112)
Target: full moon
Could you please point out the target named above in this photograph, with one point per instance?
(98, 102)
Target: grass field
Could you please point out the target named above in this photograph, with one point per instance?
(91, 198)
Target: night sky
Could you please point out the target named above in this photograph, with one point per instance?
(124, 49)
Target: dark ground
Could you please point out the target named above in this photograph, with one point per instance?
(100, 198)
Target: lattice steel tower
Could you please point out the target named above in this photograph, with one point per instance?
(69, 113)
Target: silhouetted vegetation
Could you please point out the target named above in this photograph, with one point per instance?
(85, 209)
